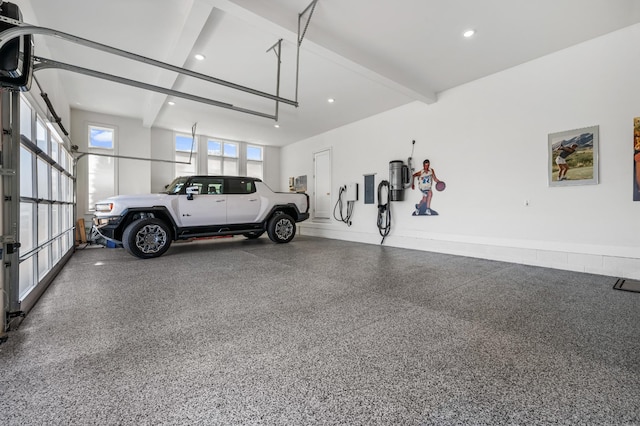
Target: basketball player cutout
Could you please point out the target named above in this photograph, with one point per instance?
(426, 178)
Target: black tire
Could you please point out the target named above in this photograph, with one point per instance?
(253, 235)
(281, 228)
(147, 238)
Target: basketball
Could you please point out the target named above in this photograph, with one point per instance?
(440, 186)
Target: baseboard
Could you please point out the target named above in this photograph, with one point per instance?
(611, 261)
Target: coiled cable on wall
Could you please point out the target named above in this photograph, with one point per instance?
(384, 211)
(339, 204)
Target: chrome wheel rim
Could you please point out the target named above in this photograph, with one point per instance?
(151, 239)
(284, 229)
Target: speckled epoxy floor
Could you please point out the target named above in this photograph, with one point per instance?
(321, 331)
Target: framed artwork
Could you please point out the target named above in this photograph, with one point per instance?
(636, 159)
(573, 157)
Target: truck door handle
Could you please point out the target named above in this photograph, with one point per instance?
(219, 201)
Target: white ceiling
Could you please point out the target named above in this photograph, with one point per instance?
(370, 55)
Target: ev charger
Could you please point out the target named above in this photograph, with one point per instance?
(348, 194)
(352, 192)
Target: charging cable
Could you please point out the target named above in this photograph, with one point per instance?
(384, 211)
(339, 204)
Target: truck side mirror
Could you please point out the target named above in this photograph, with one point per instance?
(191, 190)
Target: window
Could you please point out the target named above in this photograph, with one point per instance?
(55, 184)
(25, 119)
(55, 145)
(41, 136)
(26, 178)
(101, 137)
(66, 185)
(186, 152)
(240, 186)
(214, 157)
(208, 185)
(27, 277)
(44, 234)
(222, 158)
(27, 238)
(55, 231)
(102, 166)
(65, 160)
(43, 172)
(230, 154)
(46, 199)
(254, 161)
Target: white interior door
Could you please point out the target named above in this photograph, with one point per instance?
(322, 184)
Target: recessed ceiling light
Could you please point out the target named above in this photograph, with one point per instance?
(199, 57)
(277, 126)
(171, 103)
(331, 100)
(469, 33)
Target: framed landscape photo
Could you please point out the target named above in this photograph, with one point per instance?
(573, 157)
(636, 159)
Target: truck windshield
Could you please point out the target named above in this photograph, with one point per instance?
(175, 186)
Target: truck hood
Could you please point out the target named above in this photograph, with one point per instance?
(129, 198)
(123, 202)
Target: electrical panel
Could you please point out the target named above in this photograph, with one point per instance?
(369, 191)
(352, 192)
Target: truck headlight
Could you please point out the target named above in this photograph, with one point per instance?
(104, 207)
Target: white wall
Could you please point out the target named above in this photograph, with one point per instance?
(488, 141)
(271, 171)
(163, 147)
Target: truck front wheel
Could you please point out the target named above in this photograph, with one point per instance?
(281, 228)
(147, 238)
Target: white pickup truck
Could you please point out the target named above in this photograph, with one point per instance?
(199, 206)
